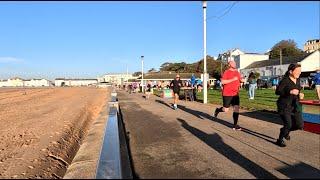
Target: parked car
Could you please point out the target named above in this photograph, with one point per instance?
(263, 83)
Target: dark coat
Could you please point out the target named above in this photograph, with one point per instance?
(288, 102)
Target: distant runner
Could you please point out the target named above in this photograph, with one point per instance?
(176, 85)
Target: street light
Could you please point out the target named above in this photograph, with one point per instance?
(204, 5)
(142, 89)
(280, 62)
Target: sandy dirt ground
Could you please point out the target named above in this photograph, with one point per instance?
(41, 129)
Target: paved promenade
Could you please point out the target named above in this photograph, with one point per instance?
(189, 143)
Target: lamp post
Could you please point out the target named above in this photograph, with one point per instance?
(142, 88)
(280, 62)
(127, 74)
(204, 6)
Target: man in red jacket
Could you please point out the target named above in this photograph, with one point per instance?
(231, 80)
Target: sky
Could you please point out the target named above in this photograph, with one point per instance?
(89, 39)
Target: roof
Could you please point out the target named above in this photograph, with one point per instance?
(35, 79)
(274, 62)
(168, 75)
(252, 54)
(75, 79)
(317, 40)
(16, 78)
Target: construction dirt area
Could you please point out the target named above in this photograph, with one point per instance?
(41, 129)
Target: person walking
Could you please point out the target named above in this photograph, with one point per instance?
(193, 86)
(176, 84)
(230, 93)
(148, 90)
(288, 105)
(275, 83)
(252, 85)
(316, 80)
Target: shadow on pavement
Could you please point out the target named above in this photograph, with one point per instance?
(162, 102)
(300, 171)
(202, 115)
(216, 143)
(198, 114)
(264, 116)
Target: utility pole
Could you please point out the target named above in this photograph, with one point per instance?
(280, 62)
(204, 5)
(127, 74)
(142, 88)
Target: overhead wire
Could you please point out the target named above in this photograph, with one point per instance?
(227, 10)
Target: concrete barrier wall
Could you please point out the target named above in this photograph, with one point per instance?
(92, 161)
(84, 164)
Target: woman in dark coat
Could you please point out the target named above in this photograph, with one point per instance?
(289, 107)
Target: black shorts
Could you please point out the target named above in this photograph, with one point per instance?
(230, 100)
(176, 91)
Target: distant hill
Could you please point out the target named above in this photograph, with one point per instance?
(213, 67)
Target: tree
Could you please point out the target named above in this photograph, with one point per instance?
(214, 67)
(152, 70)
(256, 75)
(289, 49)
(165, 66)
(137, 73)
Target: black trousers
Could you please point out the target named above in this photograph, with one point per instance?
(291, 122)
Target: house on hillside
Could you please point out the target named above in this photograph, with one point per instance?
(225, 56)
(311, 45)
(245, 59)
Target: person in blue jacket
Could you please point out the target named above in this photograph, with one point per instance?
(316, 80)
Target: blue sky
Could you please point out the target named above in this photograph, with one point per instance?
(88, 39)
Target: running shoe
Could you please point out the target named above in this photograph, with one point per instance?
(216, 112)
(287, 137)
(281, 143)
(238, 128)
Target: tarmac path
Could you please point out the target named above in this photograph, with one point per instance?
(190, 143)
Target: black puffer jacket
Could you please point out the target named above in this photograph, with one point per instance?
(288, 102)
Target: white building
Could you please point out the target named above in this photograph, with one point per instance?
(13, 82)
(244, 60)
(230, 54)
(4, 83)
(37, 83)
(272, 67)
(312, 62)
(311, 45)
(118, 78)
(75, 82)
(18, 82)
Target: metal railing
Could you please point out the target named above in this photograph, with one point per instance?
(112, 161)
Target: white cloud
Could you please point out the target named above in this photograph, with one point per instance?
(10, 60)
